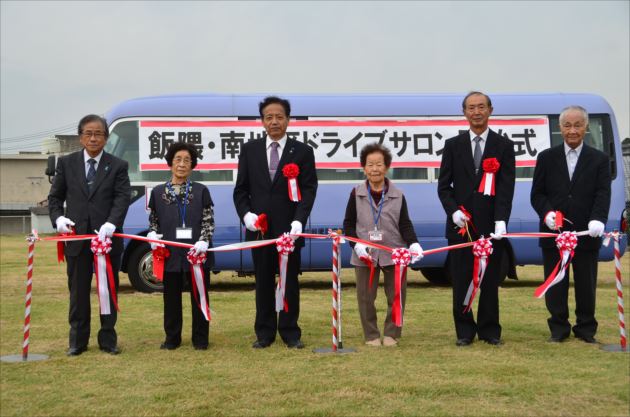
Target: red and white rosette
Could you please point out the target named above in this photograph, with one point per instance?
(566, 243)
(199, 286)
(482, 249)
(401, 258)
(291, 172)
(104, 274)
(490, 167)
(285, 246)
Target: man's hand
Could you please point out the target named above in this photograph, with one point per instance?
(459, 218)
(595, 228)
(154, 235)
(361, 250)
(550, 220)
(250, 221)
(416, 252)
(64, 224)
(201, 247)
(499, 230)
(296, 228)
(106, 230)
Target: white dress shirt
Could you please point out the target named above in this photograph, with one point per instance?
(281, 142)
(482, 142)
(86, 156)
(572, 156)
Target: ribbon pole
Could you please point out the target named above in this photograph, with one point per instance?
(335, 295)
(622, 323)
(29, 289)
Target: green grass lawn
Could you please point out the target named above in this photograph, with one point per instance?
(425, 375)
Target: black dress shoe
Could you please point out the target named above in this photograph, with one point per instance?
(587, 339)
(201, 347)
(463, 342)
(295, 344)
(168, 346)
(554, 339)
(76, 351)
(493, 341)
(111, 350)
(261, 344)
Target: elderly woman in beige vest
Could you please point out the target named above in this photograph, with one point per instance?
(377, 212)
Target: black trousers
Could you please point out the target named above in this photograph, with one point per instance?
(173, 285)
(487, 299)
(80, 269)
(584, 265)
(268, 322)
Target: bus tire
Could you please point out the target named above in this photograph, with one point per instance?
(437, 276)
(139, 269)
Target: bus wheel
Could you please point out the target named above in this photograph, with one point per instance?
(437, 276)
(140, 270)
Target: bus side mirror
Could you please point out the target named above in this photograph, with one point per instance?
(51, 166)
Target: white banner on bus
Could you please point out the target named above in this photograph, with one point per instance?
(337, 142)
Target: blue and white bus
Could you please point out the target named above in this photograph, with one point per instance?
(414, 127)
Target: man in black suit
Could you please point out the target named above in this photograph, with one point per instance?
(262, 188)
(95, 187)
(461, 172)
(572, 178)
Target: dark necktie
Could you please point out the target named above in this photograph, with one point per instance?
(91, 173)
(274, 159)
(477, 153)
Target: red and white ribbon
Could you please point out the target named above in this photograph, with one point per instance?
(622, 321)
(490, 167)
(482, 249)
(401, 258)
(159, 257)
(199, 286)
(104, 274)
(566, 242)
(291, 172)
(285, 246)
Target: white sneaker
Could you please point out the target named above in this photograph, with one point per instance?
(374, 342)
(389, 341)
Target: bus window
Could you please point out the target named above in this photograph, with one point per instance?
(123, 143)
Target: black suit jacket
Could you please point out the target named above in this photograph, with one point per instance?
(107, 202)
(581, 199)
(458, 183)
(256, 192)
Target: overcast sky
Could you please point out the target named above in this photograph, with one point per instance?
(62, 60)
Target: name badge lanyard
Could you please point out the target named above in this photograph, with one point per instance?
(380, 206)
(181, 207)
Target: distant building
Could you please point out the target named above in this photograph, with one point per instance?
(61, 144)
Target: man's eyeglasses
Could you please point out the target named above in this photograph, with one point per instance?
(97, 135)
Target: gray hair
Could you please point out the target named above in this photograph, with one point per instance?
(574, 108)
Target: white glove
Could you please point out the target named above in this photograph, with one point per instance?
(459, 218)
(419, 253)
(550, 220)
(361, 250)
(106, 230)
(201, 247)
(154, 235)
(250, 220)
(296, 227)
(499, 230)
(63, 224)
(595, 228)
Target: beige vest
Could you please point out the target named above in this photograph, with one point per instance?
(387, 223)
